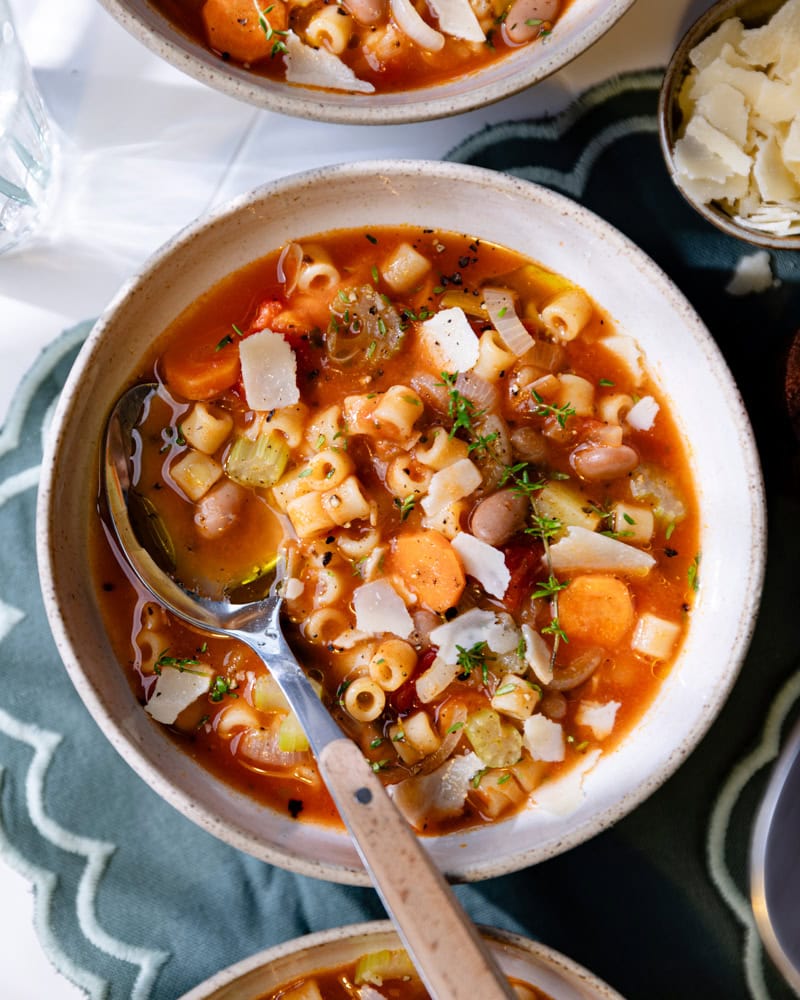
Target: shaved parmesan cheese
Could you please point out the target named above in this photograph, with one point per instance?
(457, 18)
(450, 340)
(174, 691)
(496, 630)
(537, 655)
(379, 608)
(581, 549)
(642, 415)
(725, 108)
(734, 158)
(598, 717)
(706, 52)
(365, 993)
(627, 350)
(450, 484)
(319, 68)
(775, 182)
(752, 274)
(269, 371)
(483, 562)
(437, 795)
(563, 796)
(544, 738)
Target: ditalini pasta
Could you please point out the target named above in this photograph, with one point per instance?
(365, 46)
(482, 506)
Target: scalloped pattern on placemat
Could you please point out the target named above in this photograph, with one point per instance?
(133, 900)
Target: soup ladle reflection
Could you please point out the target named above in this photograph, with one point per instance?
(444, 945)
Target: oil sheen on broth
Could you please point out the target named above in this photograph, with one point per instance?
(364, 46)
(483, 503)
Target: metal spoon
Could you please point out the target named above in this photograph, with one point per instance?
(452, 960)
(774, 872)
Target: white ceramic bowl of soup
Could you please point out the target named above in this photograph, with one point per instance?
(640, 300)
(582, 23)
(526, 961)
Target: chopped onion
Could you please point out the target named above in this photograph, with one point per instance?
(289, 266)
(499, 305)
(481, 393)
(412, 24)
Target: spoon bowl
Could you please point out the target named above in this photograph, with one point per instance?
(451, 957)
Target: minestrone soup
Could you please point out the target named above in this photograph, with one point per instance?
(482, 507)
(379, 975)
(364, 46)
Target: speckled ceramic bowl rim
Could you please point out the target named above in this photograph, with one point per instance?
(501, 941)
(751, 485)
(670, 88)
(355, 109)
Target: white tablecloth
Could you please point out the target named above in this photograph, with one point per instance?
(144, 150)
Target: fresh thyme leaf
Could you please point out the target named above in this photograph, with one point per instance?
(555, 629)
(220, 688)
(405, 506)
(693, 573)
(474, 658)
(227, 339)
(544, 527)
(547, 588)
(561, 413)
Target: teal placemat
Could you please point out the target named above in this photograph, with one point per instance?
(133, 900)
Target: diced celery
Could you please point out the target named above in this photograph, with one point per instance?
(291, 738)
(498, 744)
(267, 695)
(258, 462)
(377, 966)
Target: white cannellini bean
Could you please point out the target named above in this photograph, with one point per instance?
(598, 462)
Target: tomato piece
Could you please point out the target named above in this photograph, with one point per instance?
(524, 562)
(201, 364)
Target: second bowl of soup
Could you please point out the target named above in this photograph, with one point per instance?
(499, 458)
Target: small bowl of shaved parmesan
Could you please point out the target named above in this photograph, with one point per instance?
(729, 114)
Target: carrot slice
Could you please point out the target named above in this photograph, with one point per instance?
(237, 29)
(201, 364)
(596, 607)
(430, 567)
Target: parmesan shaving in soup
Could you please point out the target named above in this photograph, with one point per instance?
(740, 146)
(481, 501)
(364, 46)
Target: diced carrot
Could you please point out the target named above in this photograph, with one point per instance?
(430, 568)
(201, 364)
(234, 28)
(596, 607)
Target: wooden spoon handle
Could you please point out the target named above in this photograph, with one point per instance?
(449, 954)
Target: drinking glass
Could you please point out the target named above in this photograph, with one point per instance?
(27, 143)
